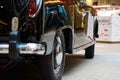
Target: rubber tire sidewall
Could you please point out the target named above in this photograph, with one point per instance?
(89, 52)
(46, 63)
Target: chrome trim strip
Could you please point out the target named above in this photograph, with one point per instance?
(83, 46)
(4, 48)
(29, 48)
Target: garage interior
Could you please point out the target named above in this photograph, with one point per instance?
(104, 66)
(104, 2)
(106, 63)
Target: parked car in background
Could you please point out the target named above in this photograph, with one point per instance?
(44, 30)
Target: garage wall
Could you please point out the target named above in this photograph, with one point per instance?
(104, 2)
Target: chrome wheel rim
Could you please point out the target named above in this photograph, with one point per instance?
(58, 55)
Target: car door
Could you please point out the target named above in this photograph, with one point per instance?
(82, 27)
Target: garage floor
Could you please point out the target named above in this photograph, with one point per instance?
(104, 66)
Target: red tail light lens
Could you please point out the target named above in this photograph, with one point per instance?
(34, 6)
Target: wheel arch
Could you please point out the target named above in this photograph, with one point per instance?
(96, 28)
(68, 38)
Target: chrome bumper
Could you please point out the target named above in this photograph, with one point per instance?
(14, 47)
(28, 48)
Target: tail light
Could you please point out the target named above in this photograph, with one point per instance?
(34, 7)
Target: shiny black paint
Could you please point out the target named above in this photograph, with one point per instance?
(55, 20)
(51, 18)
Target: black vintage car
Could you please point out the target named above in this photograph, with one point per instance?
(44, 30)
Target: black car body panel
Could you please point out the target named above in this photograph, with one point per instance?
(40, 20)
(43, 30)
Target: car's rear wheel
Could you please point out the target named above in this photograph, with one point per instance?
(89, 52)
(52, 66)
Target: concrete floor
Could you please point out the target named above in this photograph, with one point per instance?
(104, 66)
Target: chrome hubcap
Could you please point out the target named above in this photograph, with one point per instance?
(58, 55)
